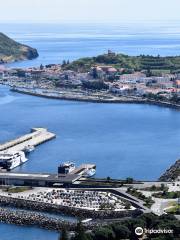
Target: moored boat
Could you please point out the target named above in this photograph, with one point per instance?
(12, 160)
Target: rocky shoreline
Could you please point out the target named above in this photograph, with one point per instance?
(172, 173)
(25, 218)
(12, 51)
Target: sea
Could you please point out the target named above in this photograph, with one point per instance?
(123, 140)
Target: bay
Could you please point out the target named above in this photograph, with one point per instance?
(70, 41)
(140, 141)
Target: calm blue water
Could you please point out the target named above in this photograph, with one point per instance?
(123, 140)
(12, 232)
(72, 41)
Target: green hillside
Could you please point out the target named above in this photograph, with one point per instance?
(11, 50)
(137, 63)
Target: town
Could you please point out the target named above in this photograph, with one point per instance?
(99, 82)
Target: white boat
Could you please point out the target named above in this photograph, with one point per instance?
(86, 220)
(90, 172)
(29, 148)
(12, 160)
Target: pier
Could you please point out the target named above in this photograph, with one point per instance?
(36, 137)
(83, 169)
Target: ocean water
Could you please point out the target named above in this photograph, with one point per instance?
(13, 232)
(56, 42)
(123, 140)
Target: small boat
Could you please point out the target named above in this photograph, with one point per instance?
(86, 220)
(90, 172)
(29, 148)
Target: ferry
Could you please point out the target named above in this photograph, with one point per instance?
(12, 160)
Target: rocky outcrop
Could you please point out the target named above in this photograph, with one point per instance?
(173, 173)
(11, 50)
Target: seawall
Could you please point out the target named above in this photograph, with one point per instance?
(124, 100)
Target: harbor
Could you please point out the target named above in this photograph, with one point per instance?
(35, 138)
(13, 153)
(55, 192)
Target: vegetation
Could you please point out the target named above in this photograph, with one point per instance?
(17, 189)
(151, 64)
(64, 235)
(175, 209)
(129, 180)
(172, 173)
(80, 233)
(148, 200)
(125, 229)
(95, 85)
(167, 195)
(11, 50)
(155, 188)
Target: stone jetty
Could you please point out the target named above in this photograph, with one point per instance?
(26, 218)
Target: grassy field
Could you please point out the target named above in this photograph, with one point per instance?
(17, 189)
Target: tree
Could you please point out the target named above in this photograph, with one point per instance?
(80, 232)
(129, 180)
(105, 234)
(108, 179)
(149, 73)
(127, 205)
(41, 67)
(64, 63)
(94, 73)
(64, 234)
(121, 232)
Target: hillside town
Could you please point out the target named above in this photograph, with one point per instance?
(109, 79)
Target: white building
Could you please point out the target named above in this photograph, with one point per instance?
(134, 77)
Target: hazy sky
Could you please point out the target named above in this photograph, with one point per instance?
(88, 10)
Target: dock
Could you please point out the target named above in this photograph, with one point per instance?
(36, 137)
(83, 169)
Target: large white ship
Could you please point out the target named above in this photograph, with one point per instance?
(9, 161)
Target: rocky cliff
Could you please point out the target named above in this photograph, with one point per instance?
(11, 50)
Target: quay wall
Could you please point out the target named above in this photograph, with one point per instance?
(86, 99)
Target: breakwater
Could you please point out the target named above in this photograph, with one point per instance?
(128, 99)
(76, 212)
(25, 218)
